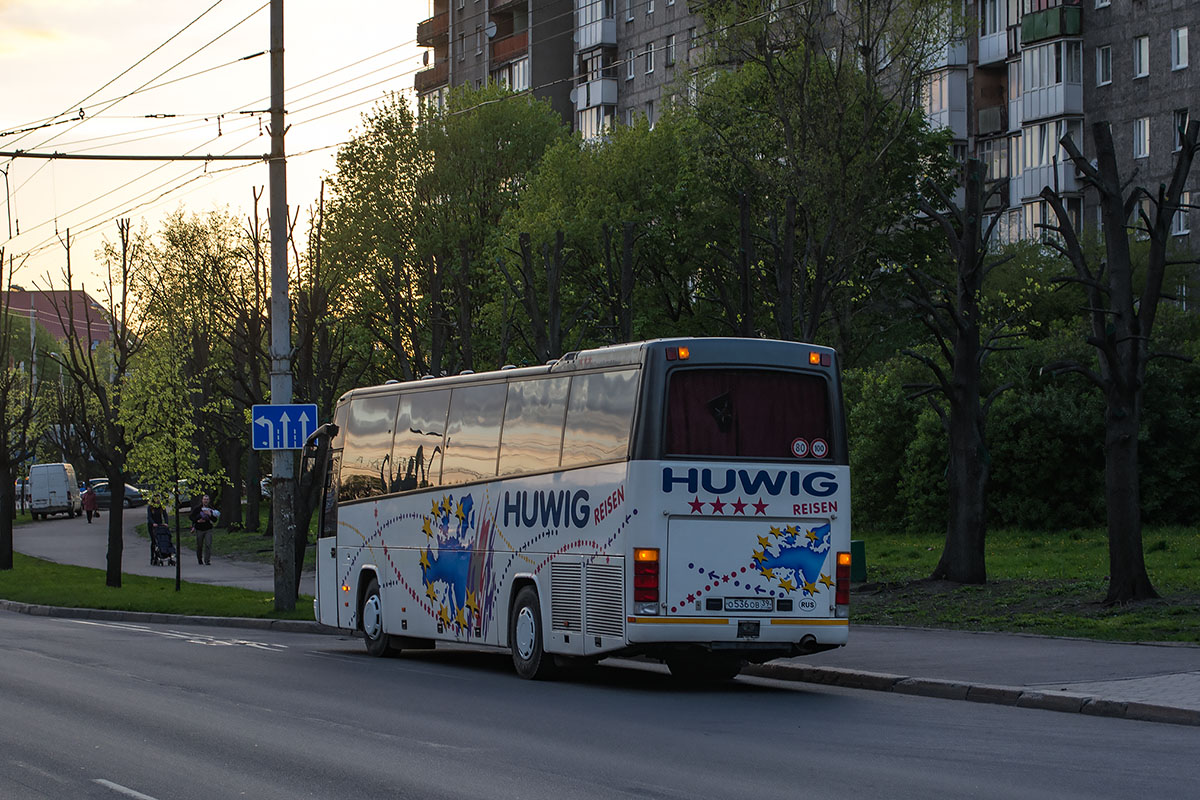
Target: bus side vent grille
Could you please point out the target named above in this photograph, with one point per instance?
(566, 596)
(605, 600)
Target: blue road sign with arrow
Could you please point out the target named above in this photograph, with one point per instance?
(282, 427)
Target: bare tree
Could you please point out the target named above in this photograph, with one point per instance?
(950, 310)
(98, 373)
(17, 404)
(1122, 302)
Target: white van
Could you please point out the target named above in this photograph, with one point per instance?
(54, 490)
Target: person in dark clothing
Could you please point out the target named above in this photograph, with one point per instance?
(89, 503)
(204, 516)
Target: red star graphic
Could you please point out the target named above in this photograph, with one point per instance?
(697, 505)
(691, 598)
(760, 508)
(718, 506)
(739, 507)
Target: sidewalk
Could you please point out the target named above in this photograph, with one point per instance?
(74, 541)
(1154, 682)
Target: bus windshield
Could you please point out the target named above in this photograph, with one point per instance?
(745, 413)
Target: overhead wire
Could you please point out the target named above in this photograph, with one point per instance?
(230, 170)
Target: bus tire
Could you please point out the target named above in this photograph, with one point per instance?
(704, 668)
(370, 618)
(529, 657)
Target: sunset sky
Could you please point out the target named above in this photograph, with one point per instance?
(57, 56)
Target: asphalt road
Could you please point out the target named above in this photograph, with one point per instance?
(109, 710)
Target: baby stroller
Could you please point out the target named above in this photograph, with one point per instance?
(162, 551)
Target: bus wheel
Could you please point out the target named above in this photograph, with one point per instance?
(702, 668)
(525, 637)
(371, 619)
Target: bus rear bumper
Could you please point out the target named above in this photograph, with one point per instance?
(736, 633)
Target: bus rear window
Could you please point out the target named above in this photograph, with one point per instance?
(746, 413)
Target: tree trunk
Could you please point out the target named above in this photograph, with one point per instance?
(8, 503)
(1127, 576)
(625, 303)
(745, 260)
(962, 558)
(116, 535)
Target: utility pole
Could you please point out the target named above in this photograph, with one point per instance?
(283, 514)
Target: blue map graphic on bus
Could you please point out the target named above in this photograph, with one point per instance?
(446, 562)
(802, 554)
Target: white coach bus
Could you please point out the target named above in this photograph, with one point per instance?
(684, 499)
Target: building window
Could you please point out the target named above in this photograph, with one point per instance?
(478, 40)
(1179, 222)
(629, 10)
(1179, 121)
(934, 94)
(1104, 65)
(629, 68)
(462, 46)
(1141, 137)
(1103, 3)
(670, 2)
(671, 50)
(1179, 48)
(649, 57)
(1052, 64)
(520, 75)
(989, 18)
(650, 113)
(693, 39)
(1141, 56)
(649, 6)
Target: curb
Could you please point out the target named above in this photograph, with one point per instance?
(976, 692)
(112, 615)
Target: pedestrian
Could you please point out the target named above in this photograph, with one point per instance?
(204, 516)
(89, 503)
(156, 518)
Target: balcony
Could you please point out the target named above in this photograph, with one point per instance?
(433, 30)
(429, 79)
(509, 47)
(991, 121)
(501, 5)
(993, 48)
(601, 33)
(601, 92)
(1034, 178)
(1051, 23)
(1052, 101)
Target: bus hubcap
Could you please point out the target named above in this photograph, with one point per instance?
(525, 633)
(371, 617)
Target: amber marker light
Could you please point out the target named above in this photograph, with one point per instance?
(645, 554)
(843, 559)
(814, 357)
(684, 353)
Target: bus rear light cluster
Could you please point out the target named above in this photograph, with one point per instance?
(842, 593)
(678, 354)
(819, 359)
(645, 580)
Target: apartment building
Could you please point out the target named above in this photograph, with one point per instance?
(1033, 70)
(596, 60)
(522, 44)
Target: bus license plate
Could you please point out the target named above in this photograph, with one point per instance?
(748, 604)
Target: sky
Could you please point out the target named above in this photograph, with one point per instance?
(186, 60)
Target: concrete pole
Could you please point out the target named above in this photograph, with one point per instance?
(282, 508)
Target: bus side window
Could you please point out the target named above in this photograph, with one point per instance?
(366, 458)
(417, 449)
(599, 417)
(533, 424)
(473, 433)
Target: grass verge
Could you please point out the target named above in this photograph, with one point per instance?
(1047, 583)
(32, 580)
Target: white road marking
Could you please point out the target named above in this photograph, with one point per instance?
(125, 790)
(191, 638)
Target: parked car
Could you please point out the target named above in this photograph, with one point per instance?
(133, 495)
(53, 490)
(264, 487)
